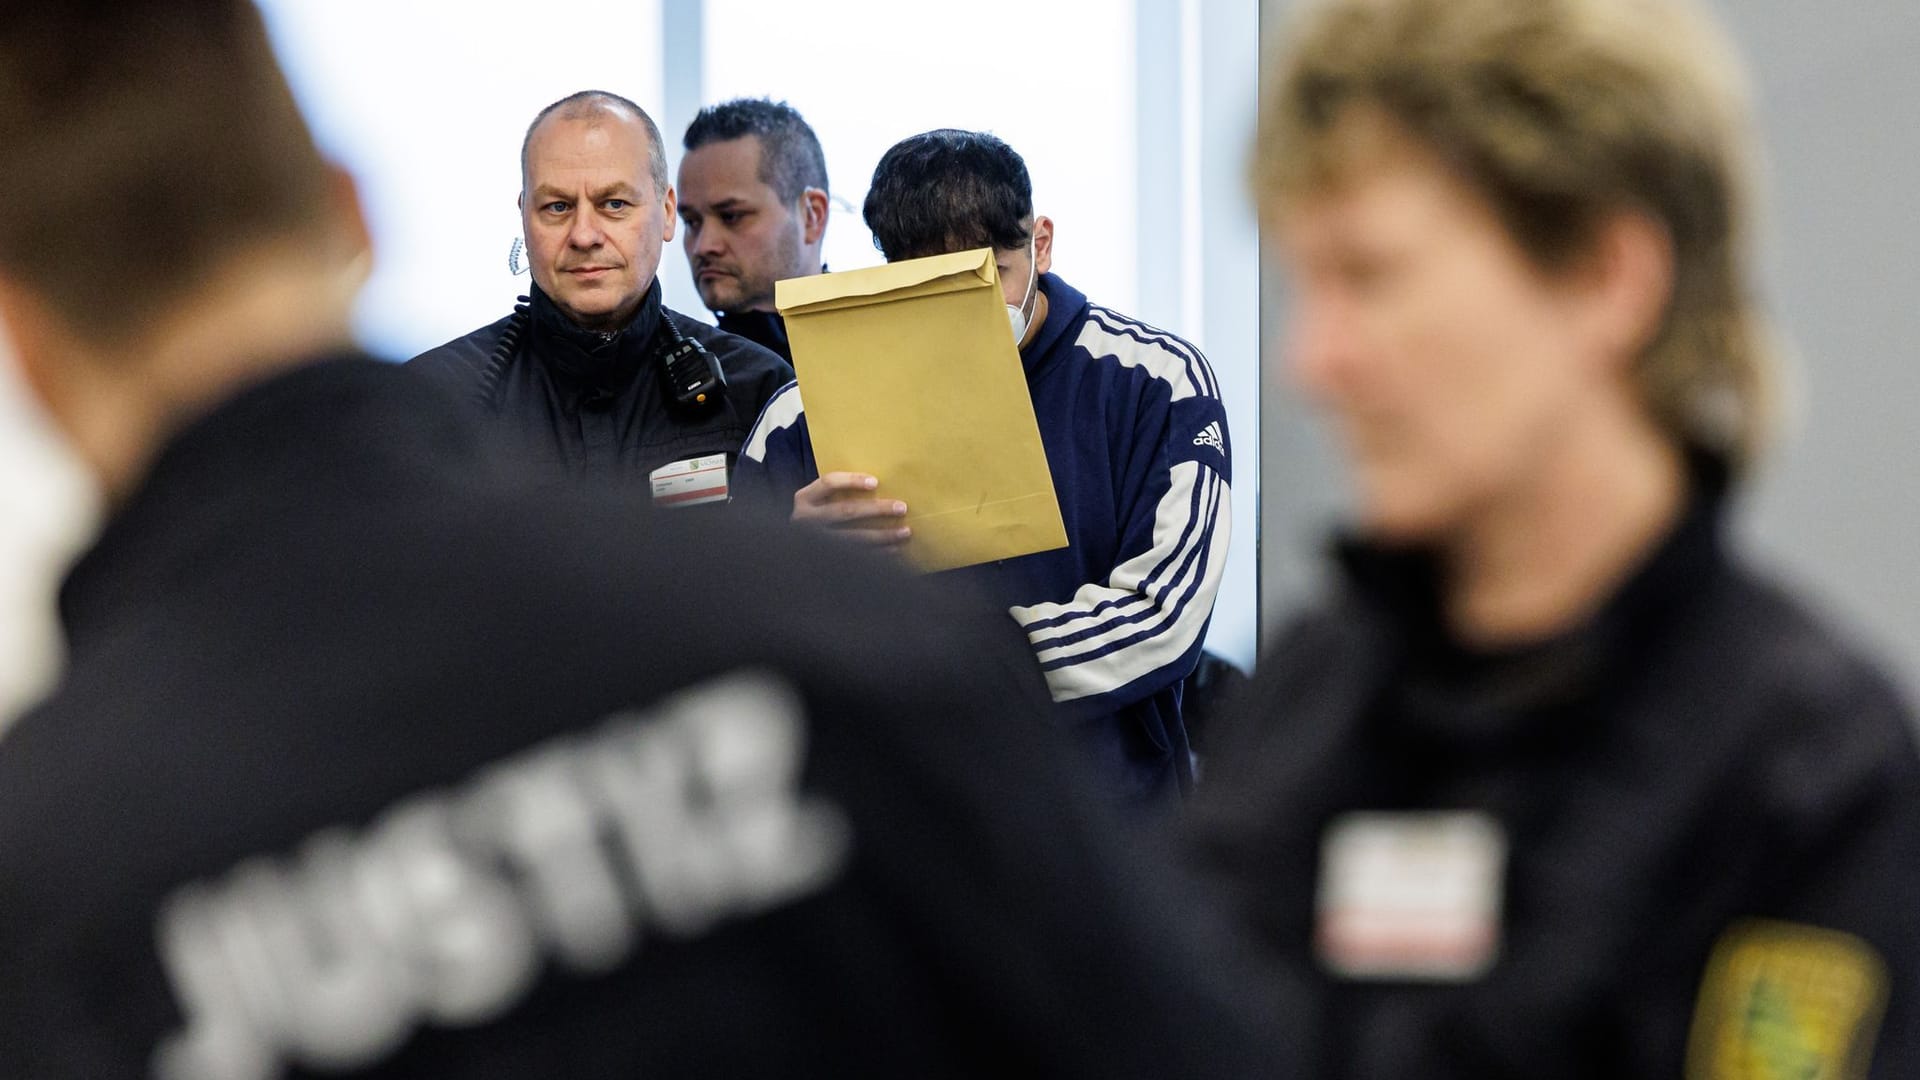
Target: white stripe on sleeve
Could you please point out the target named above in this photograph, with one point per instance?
(1163, 596)
(782, 411)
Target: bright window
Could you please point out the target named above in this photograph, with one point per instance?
(1055, 80)
(426, 102)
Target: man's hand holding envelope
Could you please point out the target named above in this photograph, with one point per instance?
(919, 412)
(845, 503)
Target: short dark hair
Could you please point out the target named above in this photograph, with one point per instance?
(582, 105)
(142, 144)
(949, 190)
(790, 157)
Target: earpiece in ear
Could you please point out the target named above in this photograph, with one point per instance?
(514, 265)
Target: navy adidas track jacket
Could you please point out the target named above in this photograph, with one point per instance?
(1136, 438)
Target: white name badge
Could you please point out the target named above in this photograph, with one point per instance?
(1410, 895)
(690, 482)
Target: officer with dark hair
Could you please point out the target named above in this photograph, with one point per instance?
(373, 760)
(1135, 436)
(592, 375)
(753, 198)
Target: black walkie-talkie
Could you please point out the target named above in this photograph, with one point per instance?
(691, 375)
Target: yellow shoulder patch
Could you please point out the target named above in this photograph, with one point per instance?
(1786, 1001)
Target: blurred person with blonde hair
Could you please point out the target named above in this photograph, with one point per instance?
(1553, 786)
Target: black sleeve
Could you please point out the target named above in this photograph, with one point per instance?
(1844, 796)
(1821, 956)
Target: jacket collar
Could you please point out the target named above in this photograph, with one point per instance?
(590, 359)
(1453, 691)
(1066, 308)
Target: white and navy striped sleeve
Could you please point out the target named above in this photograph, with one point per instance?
(1139, 629)
(777, 458)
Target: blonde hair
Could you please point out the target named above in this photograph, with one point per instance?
(1560, 114)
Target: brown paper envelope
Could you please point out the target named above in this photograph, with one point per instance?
(908, 371)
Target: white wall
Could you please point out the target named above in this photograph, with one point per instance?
(1055, 80)
(425, 101)
(47, 510)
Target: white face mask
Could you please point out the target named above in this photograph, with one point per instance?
(1017, 314)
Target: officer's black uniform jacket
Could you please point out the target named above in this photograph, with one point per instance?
(1700, 752)
(578, 403)
(323, 635)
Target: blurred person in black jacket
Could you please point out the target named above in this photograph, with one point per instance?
(593, 375)
(1554, 786)
(372, 760)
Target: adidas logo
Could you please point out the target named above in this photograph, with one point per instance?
(1210, 436)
